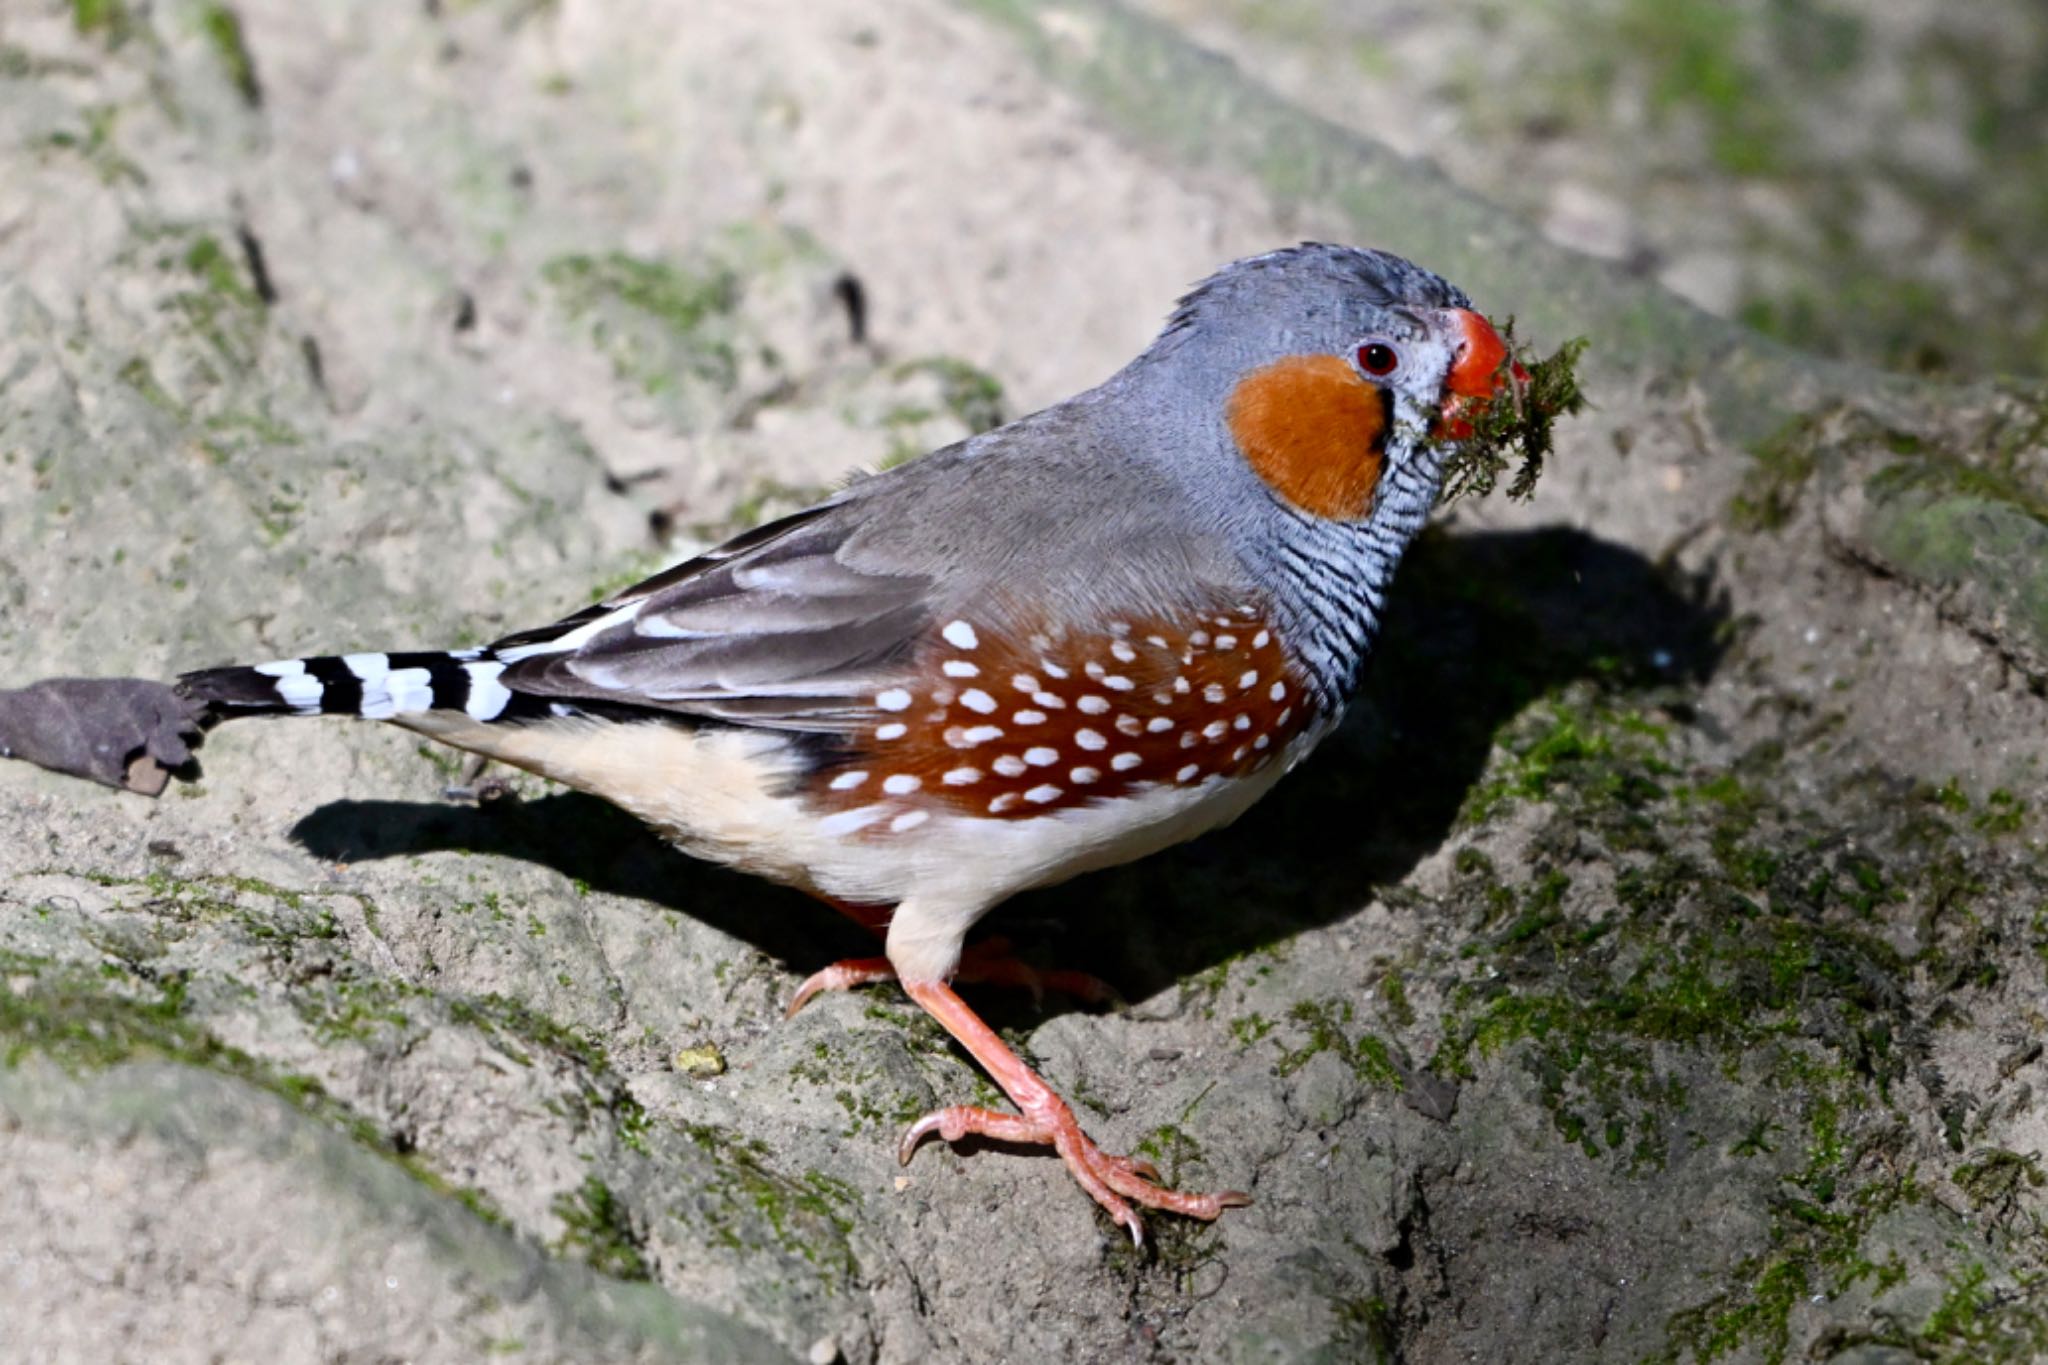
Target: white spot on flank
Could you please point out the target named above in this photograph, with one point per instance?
(1262, 639)
(1009, 765)
(960, 635)
(894, 699)
(850, 821)
(1213, 692)
(846, 782)
(1090, 739)
(1261, 742)
(1002, 803)
(1117, 682)
(1226, 643)
(1277, 690)
(961, 777)
(1163, 697)
(974, 699)
(895, 729)
(1120, 629)
(1039, 756)
(901, 784)
(1284, 715)
(910, 819)
(1029, 717)
(1159, 640)
(1123, 763)
(1093, 669)
(1042, 793)
(1048, 701)
(1186, 774)
(1092, 705)
(1052, 670)
(1159, 725)
(975, 734)
(1241, 722)
(959, 668)
(1130, 725)
(1123, 653)
(1199, 638)
(1246, 679)
(1183, 686)
(1237, 754)
(1214, 729)
(1023, 682)
(1081, 777)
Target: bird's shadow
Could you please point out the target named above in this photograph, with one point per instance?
(1479, 626)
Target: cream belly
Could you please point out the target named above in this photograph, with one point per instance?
(720, 794)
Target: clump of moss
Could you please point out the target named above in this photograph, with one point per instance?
(223, 30)
(599, 1227)
(1534, 393)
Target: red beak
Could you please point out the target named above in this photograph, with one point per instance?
(1477, 376)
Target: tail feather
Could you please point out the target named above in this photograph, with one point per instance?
(374, 686)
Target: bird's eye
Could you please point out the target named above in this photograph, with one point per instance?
(1378, 358)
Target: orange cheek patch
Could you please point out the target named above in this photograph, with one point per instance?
(1314, 431)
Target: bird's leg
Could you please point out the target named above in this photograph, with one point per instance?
(1048, 1120)
(873, 918)
(989, 963)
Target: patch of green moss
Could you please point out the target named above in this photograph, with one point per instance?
(1325, 1023)
(97, 147)
(88, 1019)
(809, 1216)
(661, 323)
(598, 1229)
(1608, 756)
(222, 28)
(1996, 1178)
(971, 394)
(110, 17)
(137, 375)
(1780, 467)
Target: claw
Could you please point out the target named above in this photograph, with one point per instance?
(840, 976)
(1047, 1120)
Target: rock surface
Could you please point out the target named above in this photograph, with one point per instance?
(1652, 970)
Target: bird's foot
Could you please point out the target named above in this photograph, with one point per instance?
(990, 963)
(1114, 1182)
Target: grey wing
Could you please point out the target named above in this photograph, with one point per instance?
(773, 628)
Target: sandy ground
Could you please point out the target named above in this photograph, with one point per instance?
(1649, 972)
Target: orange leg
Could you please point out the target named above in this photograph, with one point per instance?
(873, 918)
(1048, 1120)
(989, 963)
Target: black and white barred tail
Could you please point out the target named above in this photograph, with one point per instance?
(373, 686)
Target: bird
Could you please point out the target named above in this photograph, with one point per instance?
(1059, 645)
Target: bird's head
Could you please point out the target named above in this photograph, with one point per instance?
(1334, 373)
